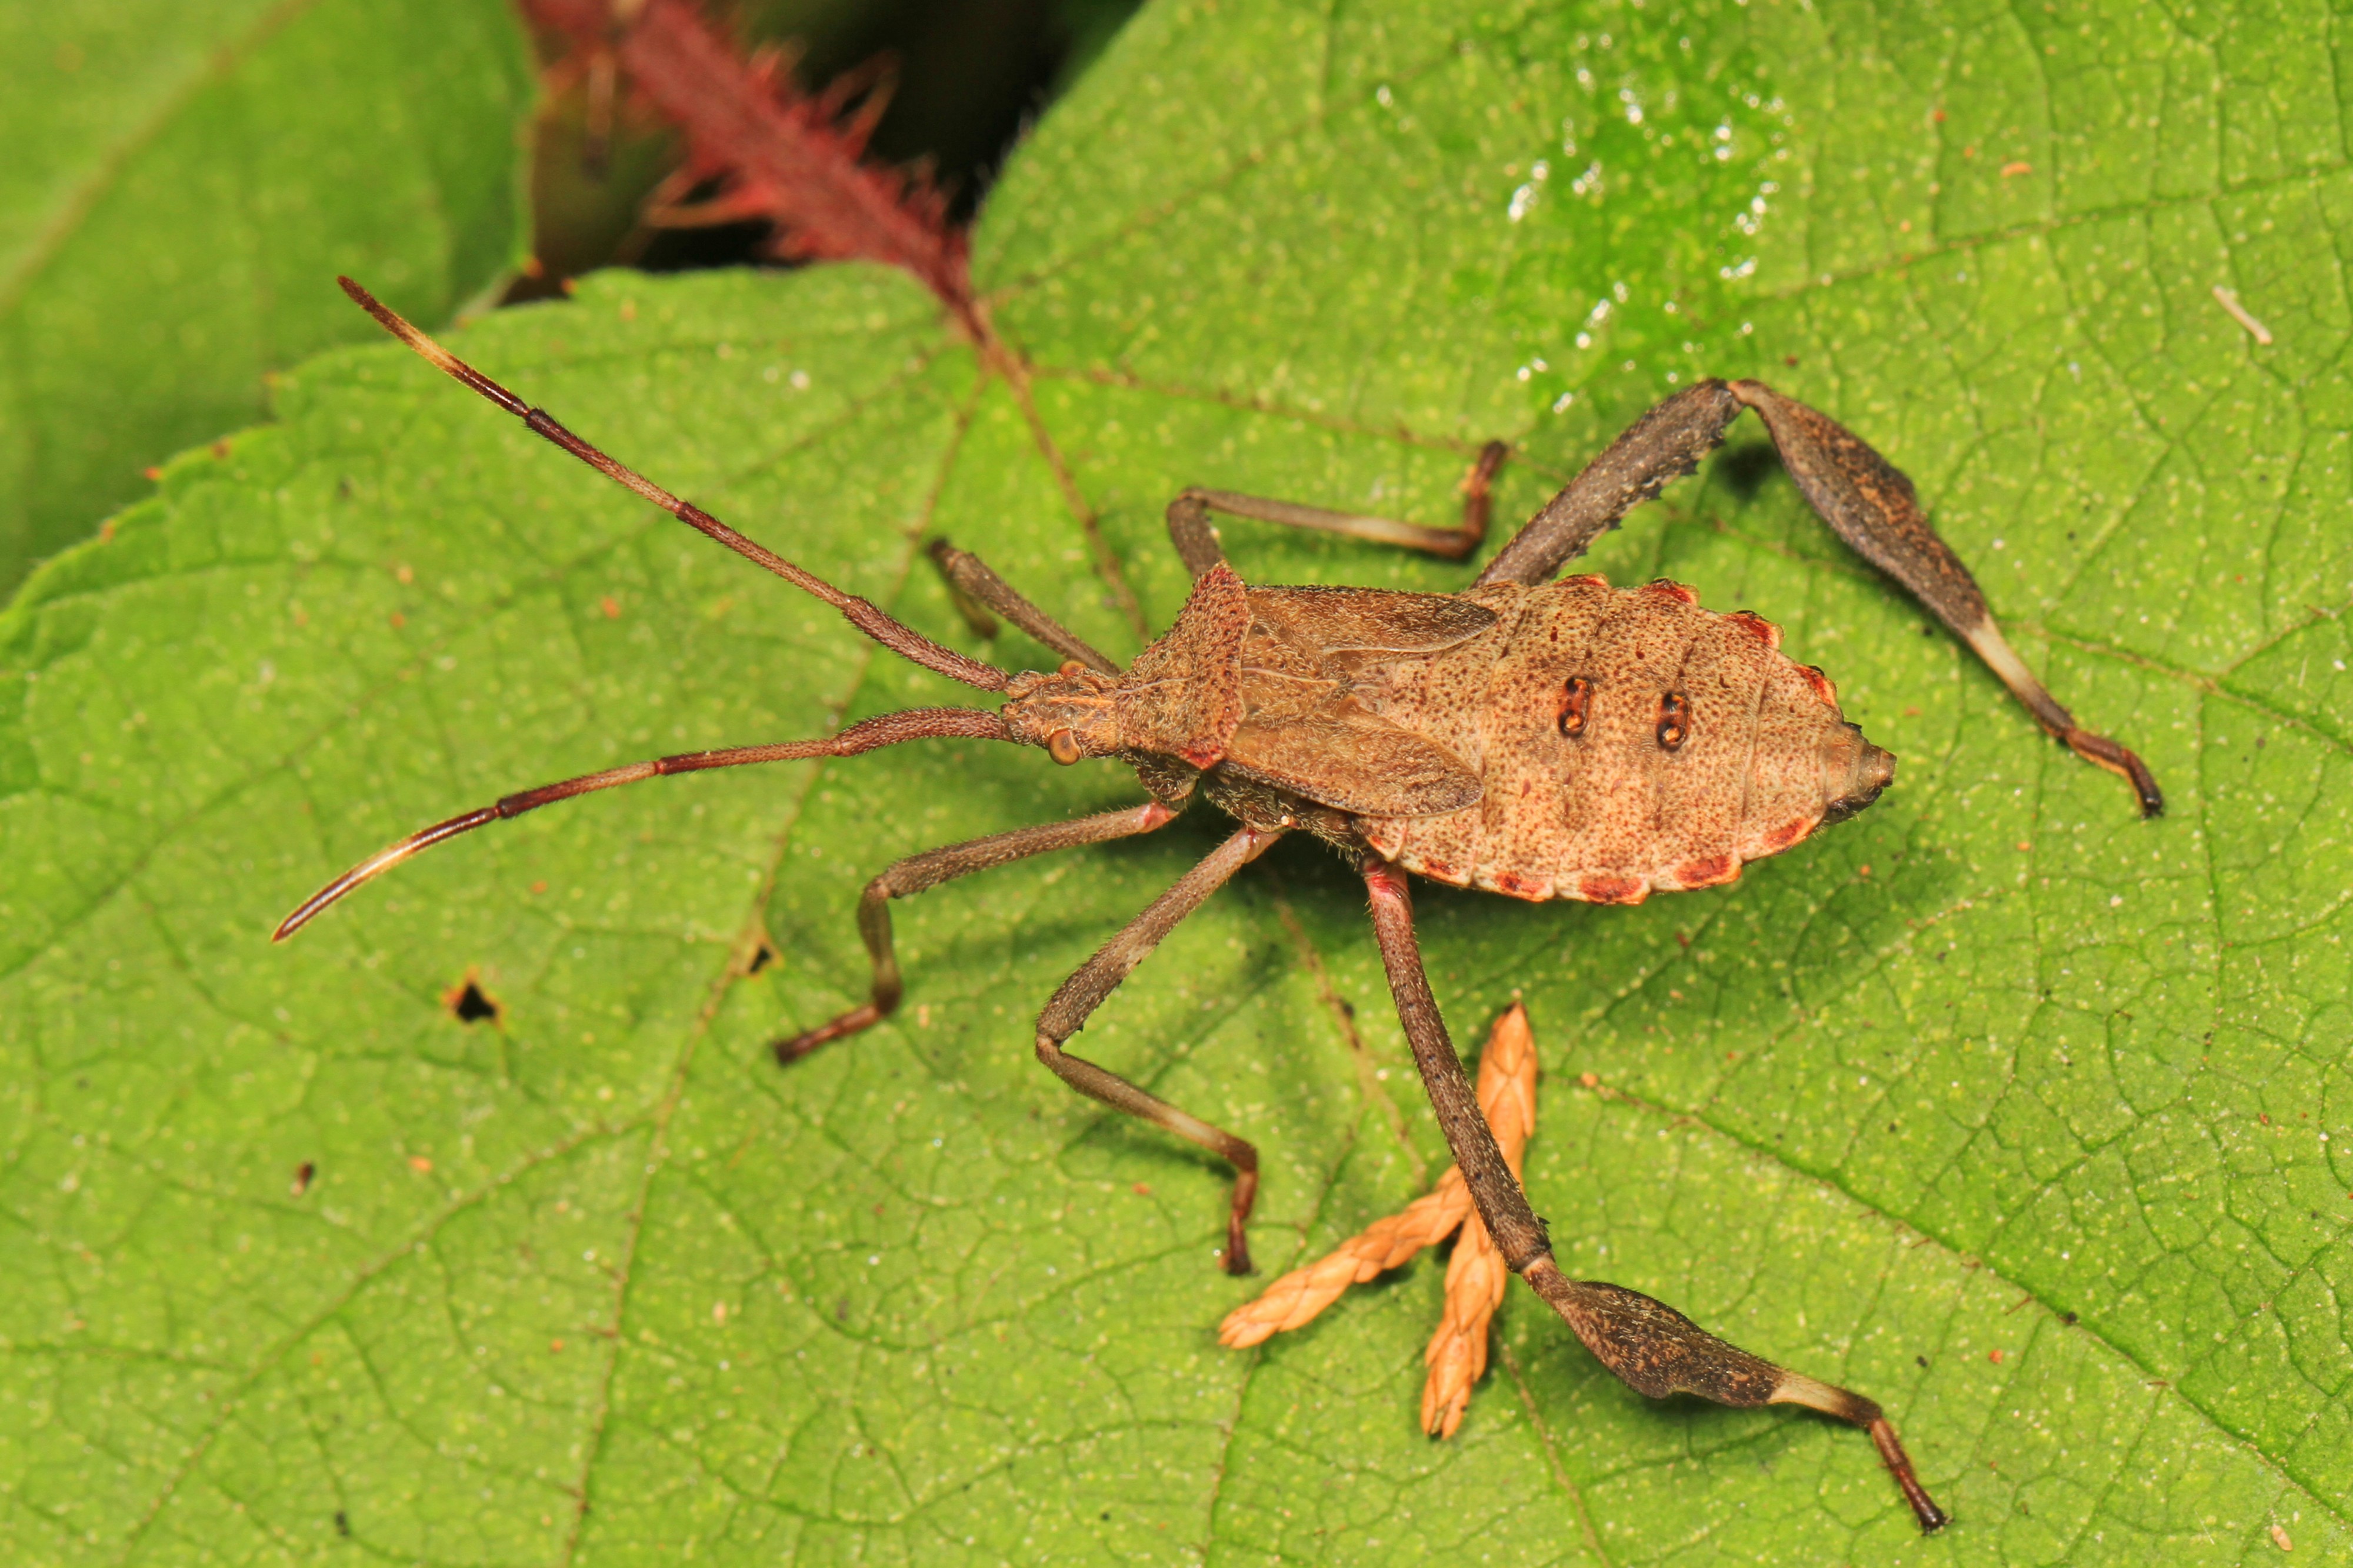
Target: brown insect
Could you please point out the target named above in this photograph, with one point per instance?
(1547, 739)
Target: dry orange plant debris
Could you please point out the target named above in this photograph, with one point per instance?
(1457, 1355)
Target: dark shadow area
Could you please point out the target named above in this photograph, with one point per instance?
(1745, 470)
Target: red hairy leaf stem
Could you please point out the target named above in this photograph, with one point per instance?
(781, 154)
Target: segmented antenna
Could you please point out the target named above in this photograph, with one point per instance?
(905, 641)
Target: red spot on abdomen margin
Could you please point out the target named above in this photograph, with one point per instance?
(1596, 889)
(1708, 871)
(1519, 887)
(1757, 626)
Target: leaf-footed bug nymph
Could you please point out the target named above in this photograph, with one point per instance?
(1544, 739)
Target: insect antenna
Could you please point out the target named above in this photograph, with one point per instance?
(905, 641)
(882, 729)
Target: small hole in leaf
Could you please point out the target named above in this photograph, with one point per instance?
(470, 1003)
(762, 956)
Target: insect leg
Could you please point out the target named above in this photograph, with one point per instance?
(1197, 542)
(920, 873)
(1663, 444)
(1653, 1348)
(1871, 505)
(1189, 529)
(1097, 978)
(968, 575)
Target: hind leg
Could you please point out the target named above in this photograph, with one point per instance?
(1653, 1348)
(1866, 499)
(1871, 505)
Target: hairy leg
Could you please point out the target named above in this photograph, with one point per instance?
(1097, 978)
(920, 873)
(1653, 1348)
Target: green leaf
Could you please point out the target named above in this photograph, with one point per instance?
(2021, 1115)
(184, 181)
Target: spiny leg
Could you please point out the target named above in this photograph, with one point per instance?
(1864, 499)
(1662, 446)
(970, 577)
(1197, 542)
(1872, 505)
(1653, 1348)
(1097, 978)
(920, 873)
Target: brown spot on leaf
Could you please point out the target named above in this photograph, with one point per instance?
(470, 1003)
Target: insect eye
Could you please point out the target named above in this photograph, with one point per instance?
(1063, 747)
(1674, 721)
(1575, 700)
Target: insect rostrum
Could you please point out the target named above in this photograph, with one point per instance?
(1544, 739)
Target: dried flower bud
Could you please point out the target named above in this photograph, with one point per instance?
(1475, 1278)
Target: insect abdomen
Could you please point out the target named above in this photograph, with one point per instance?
(1627, 740)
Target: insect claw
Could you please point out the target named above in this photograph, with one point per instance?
(2122, 762)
